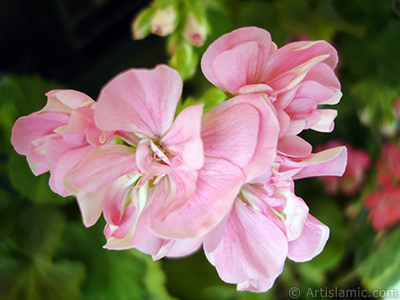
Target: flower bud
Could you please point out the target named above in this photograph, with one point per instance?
(165, 21)
(195, 31)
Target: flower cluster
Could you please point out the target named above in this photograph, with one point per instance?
(167, 185)
(384, 202)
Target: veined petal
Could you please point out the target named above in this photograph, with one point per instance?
(237, 67)
(311, 241)
(232, 133)
(62, 157)
(243, 130)
(331, 162)
(231, 40)
(297, 58)
(101, 166)
(172, 192)
(217, 186)
(184, 139)
(294, 214)
(141, 101)
(29, 128)
(294, 146)
(252, 247)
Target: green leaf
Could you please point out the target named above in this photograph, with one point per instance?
(122, 275)
(28, 268)
(35, 188)
(381, 269)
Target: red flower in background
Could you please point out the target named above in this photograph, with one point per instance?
(357, 164)
(384, 203)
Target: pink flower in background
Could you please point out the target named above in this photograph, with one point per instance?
(58, 136)
(350, 183)
(384, 202)
(295, 79)
(269, 223)
(384, 207)
(388, 165)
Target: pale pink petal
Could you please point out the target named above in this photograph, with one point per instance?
(184, 139)
(295, 212)
(311, 241)
(62, 157)
(315, 91)
(323, 74)
(217, 186)
(91, 206)
(243, 130)
(148, 164)
(252, 247)
(294, 146)
(237, 67)
(140, 100)
(101, 166)
(184, 247)
(260, 285)
(66, 100)
(297, 59)
(295, 127)
(231, 40)
(172, 192)
(232, 133)
(331, 162)
(326, 122)
(27, 129)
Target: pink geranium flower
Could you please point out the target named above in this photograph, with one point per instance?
(239, 139)
(295, 79)
(156, 151)
(268, 223)
(58, 136)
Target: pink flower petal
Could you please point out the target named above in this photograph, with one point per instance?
(62, 157)
(217, 186)
(243, 130)
(231, 40)
(101, 166)
(29, 128)
(297, 59)
(260, 285)
(237, 67)
(326, 122)
(311, 241)
(331, 162)
(184, 139)
(252, 247)
(294, 146)
(140, 100)
(66, 100)
(172, 192)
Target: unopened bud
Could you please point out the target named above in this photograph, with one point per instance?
(164, 21)
(195, 31)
